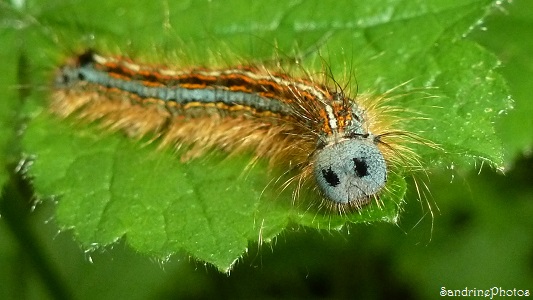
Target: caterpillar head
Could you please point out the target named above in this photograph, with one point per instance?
(350, 171)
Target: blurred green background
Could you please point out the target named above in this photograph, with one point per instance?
(480, 237)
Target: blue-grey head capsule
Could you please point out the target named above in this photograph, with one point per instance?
(350, 171)
(67, 76)
(70, 75)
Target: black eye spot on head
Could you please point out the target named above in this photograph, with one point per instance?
(64, 79)
(360, 167)
(331, 177)
(81, 76)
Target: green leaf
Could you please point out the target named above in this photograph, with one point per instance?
(9, 97)
(109, 187)
(504, 34)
